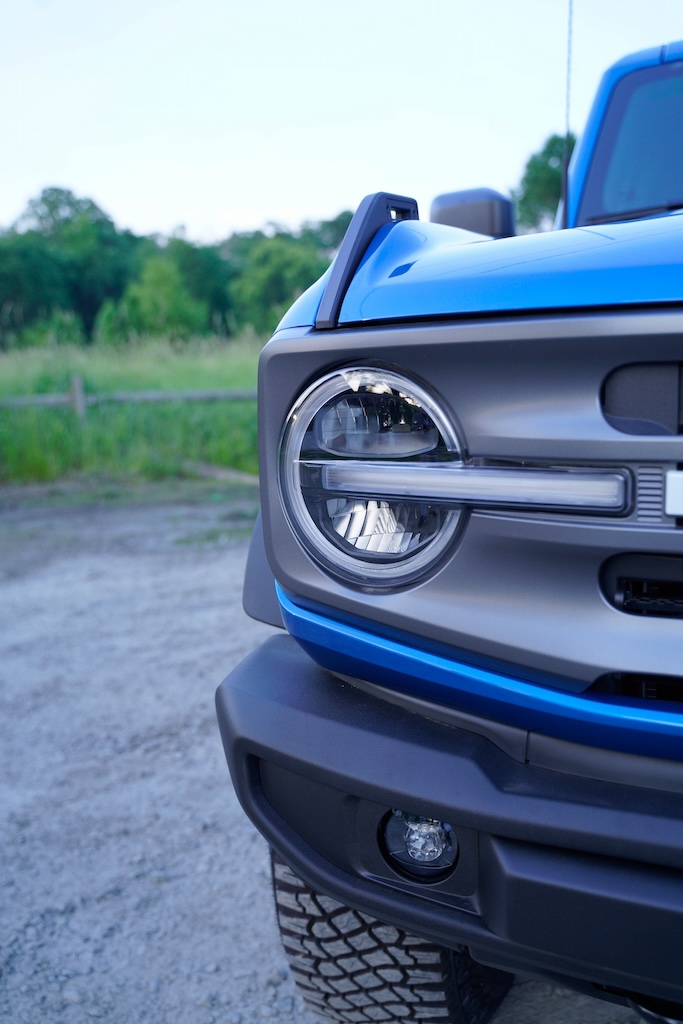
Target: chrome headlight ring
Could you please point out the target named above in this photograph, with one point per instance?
(349, 422)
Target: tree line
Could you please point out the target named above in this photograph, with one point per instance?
(69, 275)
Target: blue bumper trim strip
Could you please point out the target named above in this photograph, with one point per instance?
(629, 726)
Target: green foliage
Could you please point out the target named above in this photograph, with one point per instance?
(151, 364)
(38, 444)
(540, 189)
(62, 327)
(275, 272)
(32, 283)
(206, 275)
(113, 325)
(66, 256)
(55, 210)
(159, 303)
(149, 439)
(99, 265)
(96, 259)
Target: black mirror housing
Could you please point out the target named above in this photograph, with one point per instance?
(476, 209)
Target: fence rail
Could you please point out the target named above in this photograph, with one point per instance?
(77, 398)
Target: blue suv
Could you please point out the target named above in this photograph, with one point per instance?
(465, 748)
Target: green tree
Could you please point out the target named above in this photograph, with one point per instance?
(273, 272)
(65, 258)
(32, 283)
(100, 265)
(54, 210)
(159, 303)
(539, 191)
(97, 261)
(113, 325)
(206, 274)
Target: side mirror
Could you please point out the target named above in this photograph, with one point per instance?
(476, 209)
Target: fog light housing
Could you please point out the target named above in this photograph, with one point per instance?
(420, 847)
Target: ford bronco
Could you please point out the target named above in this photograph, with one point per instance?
(465, 748)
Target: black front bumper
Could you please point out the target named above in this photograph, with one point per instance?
(559, 874)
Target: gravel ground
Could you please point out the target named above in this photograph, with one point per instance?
(133, 888)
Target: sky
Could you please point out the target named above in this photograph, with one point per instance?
(207, 117)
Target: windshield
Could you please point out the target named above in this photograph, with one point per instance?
(637, 168)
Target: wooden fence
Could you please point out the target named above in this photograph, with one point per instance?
(77, 398)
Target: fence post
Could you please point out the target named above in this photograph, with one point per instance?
(78, 397)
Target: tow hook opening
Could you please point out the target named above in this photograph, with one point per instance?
(656, 1011)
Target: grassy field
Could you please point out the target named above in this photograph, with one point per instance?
(153, 441)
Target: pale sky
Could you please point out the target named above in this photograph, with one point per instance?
(221, 116)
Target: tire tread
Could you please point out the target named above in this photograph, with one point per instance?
(352, 969)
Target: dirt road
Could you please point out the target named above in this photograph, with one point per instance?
(133, 889)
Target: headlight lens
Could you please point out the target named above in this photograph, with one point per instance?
(345, 421)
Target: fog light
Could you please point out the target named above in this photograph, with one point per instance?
(426, 841)
(422, 847)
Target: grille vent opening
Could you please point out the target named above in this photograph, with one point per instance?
(650, 597)
(640, 686)
(645, 584)
(644, 399)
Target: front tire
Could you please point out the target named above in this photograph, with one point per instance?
(351, 968)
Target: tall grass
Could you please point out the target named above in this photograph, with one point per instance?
(154, 364)
(151, 440)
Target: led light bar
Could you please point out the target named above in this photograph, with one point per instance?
(573, 489)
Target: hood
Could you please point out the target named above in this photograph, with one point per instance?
(418, 270)
(414, 269)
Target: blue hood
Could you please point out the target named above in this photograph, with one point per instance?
(420, 270)
(415, 269)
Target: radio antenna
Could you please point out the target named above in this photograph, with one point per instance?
(566, 153)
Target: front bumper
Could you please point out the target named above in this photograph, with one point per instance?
(571, 859)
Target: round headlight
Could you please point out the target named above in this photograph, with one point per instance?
(349, 454)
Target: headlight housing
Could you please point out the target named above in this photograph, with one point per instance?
(347, 432)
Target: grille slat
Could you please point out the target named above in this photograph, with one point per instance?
(650, 495)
